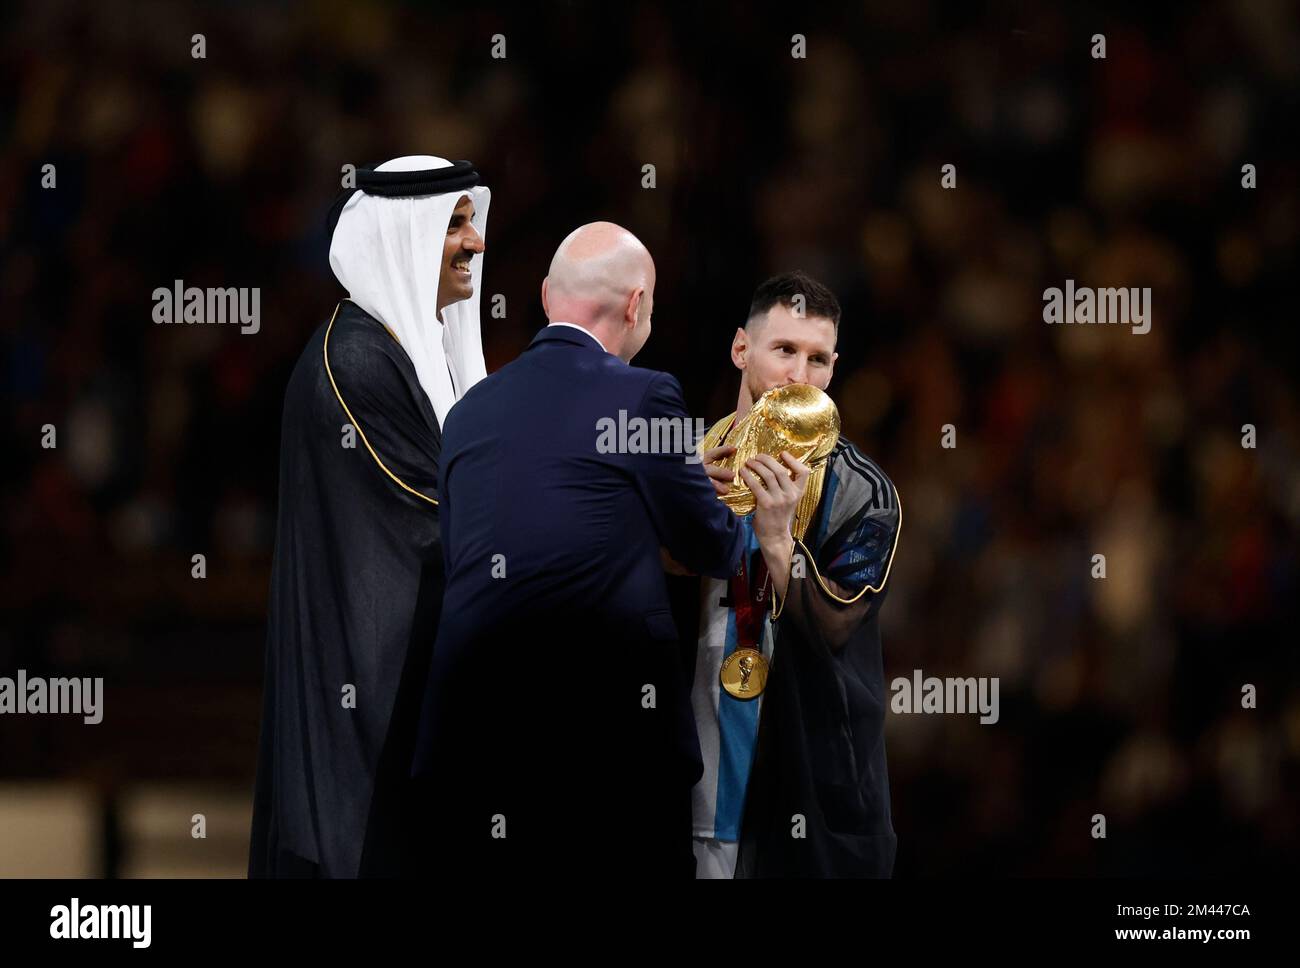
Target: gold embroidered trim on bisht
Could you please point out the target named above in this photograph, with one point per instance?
(353, 420)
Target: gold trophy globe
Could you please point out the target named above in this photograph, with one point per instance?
(804, 421)
(797, 418)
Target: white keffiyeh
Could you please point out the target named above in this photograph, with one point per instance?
(388, 254)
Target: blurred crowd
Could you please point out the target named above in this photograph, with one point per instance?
(1121, 696)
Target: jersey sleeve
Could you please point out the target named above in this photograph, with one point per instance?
(837, 578)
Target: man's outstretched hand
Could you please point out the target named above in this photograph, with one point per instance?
(719, 475)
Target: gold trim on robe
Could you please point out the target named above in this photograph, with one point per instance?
(353, 420)
(717, 436)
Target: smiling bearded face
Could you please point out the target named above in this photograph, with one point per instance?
(462, 243)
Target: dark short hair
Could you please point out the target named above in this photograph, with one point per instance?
(817, 299)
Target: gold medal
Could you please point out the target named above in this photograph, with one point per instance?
(744, 674)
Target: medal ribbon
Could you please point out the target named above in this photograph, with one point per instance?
(750, 599)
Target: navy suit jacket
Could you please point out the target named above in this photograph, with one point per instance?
(556, 616)
(522, 475)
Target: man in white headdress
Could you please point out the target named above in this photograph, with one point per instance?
(357, 580)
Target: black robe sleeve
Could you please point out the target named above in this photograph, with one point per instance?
(356, 589)
(819, 766)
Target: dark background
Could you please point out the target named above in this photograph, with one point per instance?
(1119, 696)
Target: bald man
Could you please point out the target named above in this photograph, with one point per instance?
(557, 713)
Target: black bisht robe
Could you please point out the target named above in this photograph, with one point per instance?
(356, 591)
(820, 750)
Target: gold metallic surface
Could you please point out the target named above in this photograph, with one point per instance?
(798, 418)
(744, 674)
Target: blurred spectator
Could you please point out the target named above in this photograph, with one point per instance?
(1120, 696)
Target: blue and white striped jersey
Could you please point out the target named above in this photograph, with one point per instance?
(728, 727)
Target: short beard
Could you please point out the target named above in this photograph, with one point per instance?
(751, 384)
